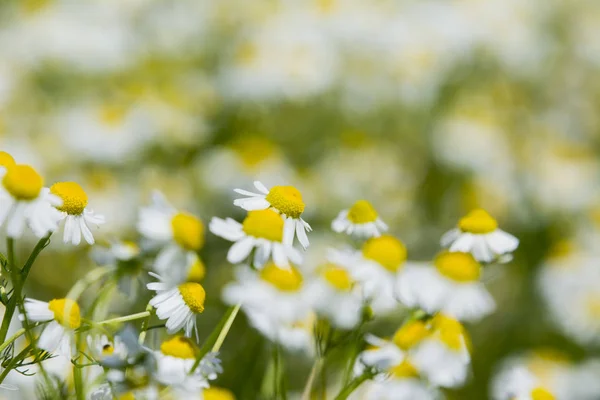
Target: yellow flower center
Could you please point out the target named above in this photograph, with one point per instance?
(253, 150)
(540, 393)
(108, 349)
(112, 115)
(337, 277)
(362, 212)
(188, 231)
(6, 160)
(197, 271)
(179, 347)
(478, 221)
(266, 224)
(287, 200)
(215, 393)
(460, 267)
(127, 396)
(284, 279)
(410, 334)
(451, 332)
(66, 312)
(23, 182)
(386, 250)
(404, 370)
(193, 295)
(73, 196)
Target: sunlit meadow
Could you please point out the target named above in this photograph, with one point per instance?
(304, 200)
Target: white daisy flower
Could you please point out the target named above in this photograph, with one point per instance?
(295, 336)
(478, 233)
(174, 363)
(286, 200)
(178, 233)
(179, 305)
(443, 356)
(102, 348)
(451, 286)
(75, 212)
(263, 230)
(333, 293)
(360, 220)
(519, 384)
(401, 387)
(64, 316)
(25, 201)
(377, 267)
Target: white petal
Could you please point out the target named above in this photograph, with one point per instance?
(252, 203)
(262, 188)
(228, 229)
(240, 250)
(301, 234)
(449, 237)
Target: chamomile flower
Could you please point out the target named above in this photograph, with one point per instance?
(478, 233)
(217, 393)
(286, 200)
(451, 286)
(75, 212)
(174, 361)
(261, 229)
(179, 305)
(102, 348)
(519, 383)
(25, 201)
(63, 316)
(179, 233)
(335, 295)
(377, 267)
(443, 356)
(295, 336)
(360, 220)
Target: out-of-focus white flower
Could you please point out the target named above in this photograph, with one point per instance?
(296, 336)
(217, 393)
(263, 230)
(178, 305)
(179, 233)
(478, 233)
(376, 268)
(361, 220)
(520, 384)
(101, 347)
(75, 212)
(451, 286)
(64, 316)
(25, 201)
(286, 200)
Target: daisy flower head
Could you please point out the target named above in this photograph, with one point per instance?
(286, 200)
(103, 349)
(75, 212)
(217, 393)
(25, 201)
(296, 336)
(478, 233)
(518, 383)
(360, 220)
(64, 317)
(174, 363)
(178, 233)
(451, 286)
(443, 355)
(377, 267)
(179, 305)
(262, 230)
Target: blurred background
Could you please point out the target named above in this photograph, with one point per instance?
(425, 108)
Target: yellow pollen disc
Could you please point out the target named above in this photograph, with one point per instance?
(286, 280)
(386, 250)
(112, 115)
(127, 396)
(478, 221)
(215, 393)
(193, 295)
(6, 160)
(197, 271)
(337, 277)
(108, 349)
(451, 332)
(266, 224)
(404, 370)
(66, 312)
(73, 196)
(188, 231)
(23, 182)
(287, 200)
(362, 212)
(460, 267)
(253, 150)
(410, 334)
(179, 347)
(541, 394)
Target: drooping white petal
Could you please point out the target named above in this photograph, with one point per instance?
(240, 250)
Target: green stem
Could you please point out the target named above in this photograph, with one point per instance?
(126, 318)
(12, 303)
(311, 378)
(11, 339)
(276, 372)
(41, 244)
(354, 384)
(226, 328)
(78, 375)
(15, 361)
(145, 324)
(89, 279)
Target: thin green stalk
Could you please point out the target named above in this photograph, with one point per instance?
(78, 375)
(276, 373)
(145, 324)
(15, 361)
(126, 318)
(226, 328)
(311, 378)
(353, 385)
(89, 279)
(11, 339)
(12, 303)
(41, 245)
